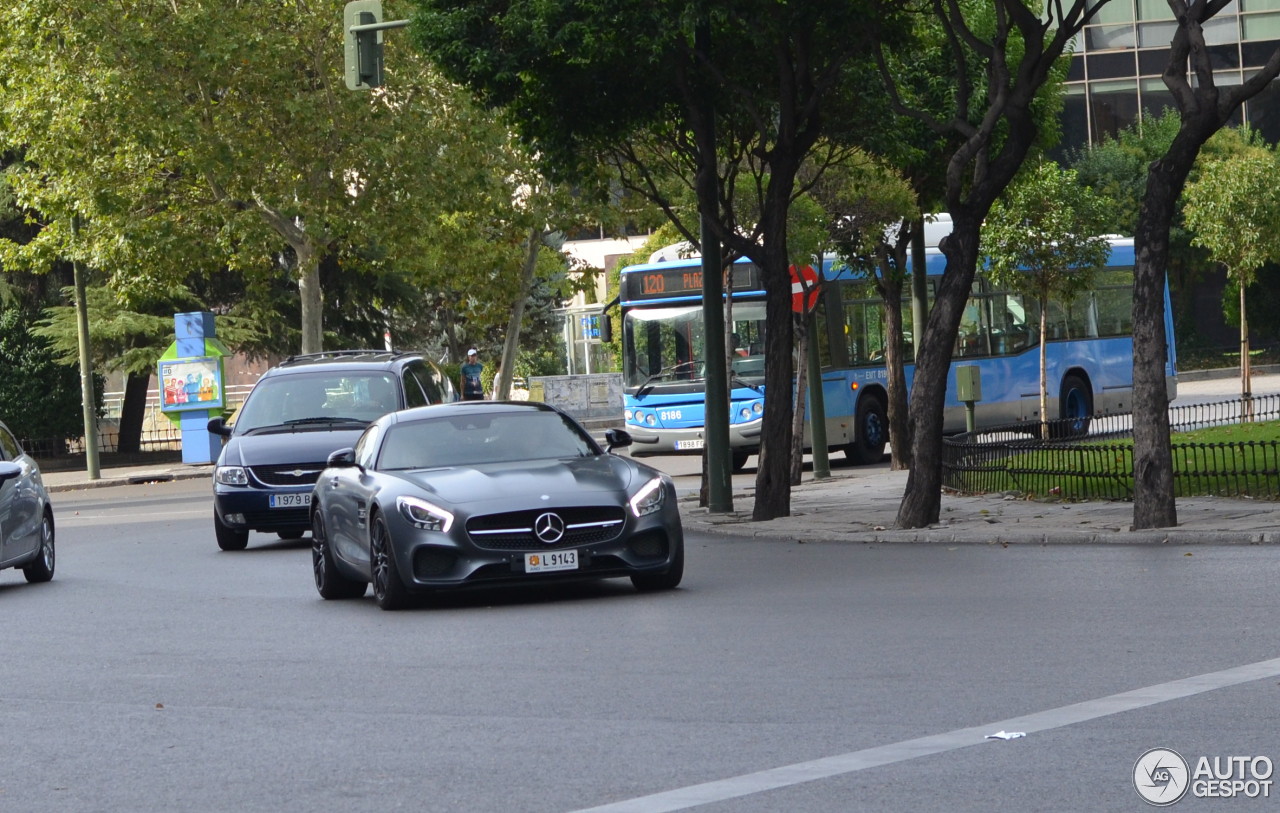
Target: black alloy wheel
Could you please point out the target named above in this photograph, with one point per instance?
(330, 582)
(870, 432)
(649, 582)
(41, 570)
(388, 588)
(229, 538)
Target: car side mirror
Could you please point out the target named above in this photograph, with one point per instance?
(616, 439)
(342, 459)
(9, 471)
(217, 426)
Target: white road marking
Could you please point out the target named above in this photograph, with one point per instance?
(126, 518)
(747, 784)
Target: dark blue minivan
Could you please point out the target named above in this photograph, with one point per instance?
(296, 416)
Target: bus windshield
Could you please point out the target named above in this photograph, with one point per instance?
(665, 345)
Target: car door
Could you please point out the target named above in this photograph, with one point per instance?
(13, 541)
(362, 487)
(348, 519)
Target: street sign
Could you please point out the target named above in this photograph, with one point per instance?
(810, 278)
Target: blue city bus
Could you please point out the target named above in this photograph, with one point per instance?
(1089, 354)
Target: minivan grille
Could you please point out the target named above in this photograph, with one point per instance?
(298, 474)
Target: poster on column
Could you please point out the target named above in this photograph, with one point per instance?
(194, 383)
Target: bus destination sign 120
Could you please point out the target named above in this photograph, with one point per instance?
(686, 281)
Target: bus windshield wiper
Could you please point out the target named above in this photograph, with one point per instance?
(647, 384)
(733, 378)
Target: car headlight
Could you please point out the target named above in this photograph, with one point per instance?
(651, 419)
(231, 476)
(757, 407)
(424, 515)
(649, 498)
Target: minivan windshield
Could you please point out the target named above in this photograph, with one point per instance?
(320, 399)
(478, 438)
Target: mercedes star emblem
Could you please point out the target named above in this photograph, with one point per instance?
(549, 528)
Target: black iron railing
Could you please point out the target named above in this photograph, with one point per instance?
(1089, 458)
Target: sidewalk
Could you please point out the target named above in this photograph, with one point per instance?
(56, 481)
(859, 506)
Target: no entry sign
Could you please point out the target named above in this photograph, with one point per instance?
(810, 278)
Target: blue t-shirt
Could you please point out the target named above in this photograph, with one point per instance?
(471, 379)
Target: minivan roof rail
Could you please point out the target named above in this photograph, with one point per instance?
(337, 354)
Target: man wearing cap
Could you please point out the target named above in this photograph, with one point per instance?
(472, 389)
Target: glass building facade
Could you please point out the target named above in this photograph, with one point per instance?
(1115, 81)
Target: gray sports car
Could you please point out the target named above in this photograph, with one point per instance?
(481, 493)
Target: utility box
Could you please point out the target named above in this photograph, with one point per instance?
(968, 384)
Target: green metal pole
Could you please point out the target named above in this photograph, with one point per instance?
(716, 420)
(919, 288)
(86, 366)
(817, 405)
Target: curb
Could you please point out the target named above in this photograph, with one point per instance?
(943, 537)
(1225, 372)
(131, 480)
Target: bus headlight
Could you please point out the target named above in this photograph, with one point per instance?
(627, 414)
(651, 419)
(649, 498)
(758, 407)
(746, 414)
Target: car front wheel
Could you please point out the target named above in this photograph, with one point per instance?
(670, 580)
(330, 582)
(229, 538)
(388, 588)
(41, 570)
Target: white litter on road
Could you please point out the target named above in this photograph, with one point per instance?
(1005, 735)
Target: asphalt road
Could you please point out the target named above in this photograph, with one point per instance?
(156, 673)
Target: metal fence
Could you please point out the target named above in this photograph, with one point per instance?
(159, 434)
(1089, 459)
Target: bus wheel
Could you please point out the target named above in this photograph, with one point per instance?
(1075, 407)
(870, 432)
(739, 460)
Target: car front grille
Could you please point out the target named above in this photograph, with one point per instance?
(279, 518)
(513, 530)
(297, 474)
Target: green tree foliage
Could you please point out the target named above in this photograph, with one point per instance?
(39, 397)
(1234, 208)
(1042, 239)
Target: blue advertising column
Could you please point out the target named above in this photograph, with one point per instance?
(191, 390)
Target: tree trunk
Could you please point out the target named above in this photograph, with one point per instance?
(511, 346)
(311, 297)
(922, 499)
(451, 335)
(1153, 487)
(890, 286)
(773, 472)
(1044, 378)
(133, 412)
(797, 412)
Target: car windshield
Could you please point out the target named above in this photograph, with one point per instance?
(479, 437)
(665, 345)
(321, 398)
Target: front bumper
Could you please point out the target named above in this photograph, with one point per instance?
(648, 441)
(254, 505)
(430, 561)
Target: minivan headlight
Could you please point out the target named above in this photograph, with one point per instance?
(231, 476)
(424, 515)
(649, 498)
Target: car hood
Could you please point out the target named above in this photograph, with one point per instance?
(517, 481)
(284, 448)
